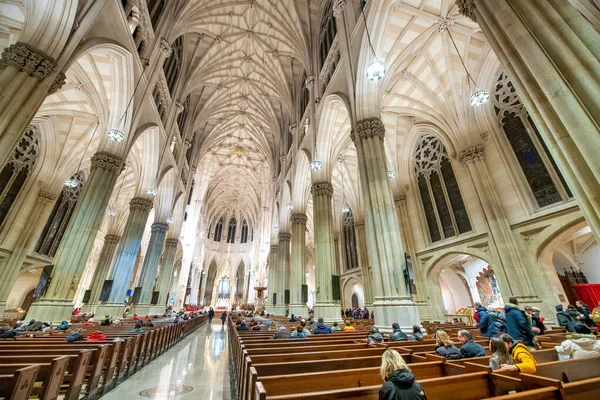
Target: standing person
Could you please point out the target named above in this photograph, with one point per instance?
(211, 315)
(485, 324)
(517, 323)
(500, 354)
(444, 346)
(537, 322)
(469, 348)
(223, 317)
(400, 383)
(524, 361)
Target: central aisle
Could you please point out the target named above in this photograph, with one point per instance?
(197, 367)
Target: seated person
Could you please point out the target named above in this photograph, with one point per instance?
(375, 336)
(304, 328)
(469, 348)
(335, 327)
(500, 354)
(136, 317)
(106, 321)
(242, 327)
(524, 361)
(321, 328)
(579, 346)
(348, 326)
(397, 334)
(293, 319)
(444, 346)
(282, 333)
(399, 382)
(299, 333)
(416, 335)
(137, 328)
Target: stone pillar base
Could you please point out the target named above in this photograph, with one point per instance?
(154, 309)
(330, 312)
(278, 311)
(299, 309)
(51, 310)
(113, 309)
(90, 308)
(404, 311)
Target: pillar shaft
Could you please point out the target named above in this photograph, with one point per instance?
(392, 302)
(552, 55)
(282, 270)
(298, 264)
(166, 271)
(107, 254)
(77, 242)
(139, 209)
(363, 262)
(155, 248)
(272, 284)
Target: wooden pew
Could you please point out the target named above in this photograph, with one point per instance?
(50, 375)
(568, 371)
(18, 386)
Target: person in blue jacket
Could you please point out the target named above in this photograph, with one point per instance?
(486, 325)
(517, 323)
(321, 328)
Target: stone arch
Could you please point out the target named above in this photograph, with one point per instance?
(353, 286)
(301, 182)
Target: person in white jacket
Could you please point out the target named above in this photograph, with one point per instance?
(579, 346)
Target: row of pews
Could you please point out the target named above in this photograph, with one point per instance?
(47, 367)
(344, 366)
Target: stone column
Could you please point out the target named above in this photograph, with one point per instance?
(104, 262)
(298, 264)
(203, 288)
(552, 55)
(166, 271)
(363, 262)
(77, 242)
(272, 284)
(139, 209)
(27, 239)
(195, 283)
(391, 301)
(515, 277)
(325, 266)
(155, 248)
(282, 271)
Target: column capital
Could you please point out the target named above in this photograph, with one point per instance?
(338, 7)
(399, 198)
(111, 239)
(180, 107)
(293, 128)
(107, 161)
(368, 128)
(467, 8)
(46, 197)
(284, 236)
(58, 83)
(471, 154)
(309, 82)
(274, 248)
(26, 58)
(165, 47)
(140, 204)
(171, 243)
(159, 227)
(322, 189)
(300, 219)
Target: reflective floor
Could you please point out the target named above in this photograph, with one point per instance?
(197, 367)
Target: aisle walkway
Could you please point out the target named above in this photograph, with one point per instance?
(197, 367)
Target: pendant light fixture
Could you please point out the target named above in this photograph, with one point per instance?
(376, 69)
(72, 183)
(479, 96)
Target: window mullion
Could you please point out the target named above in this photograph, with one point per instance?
(448, 203)
(435, 207)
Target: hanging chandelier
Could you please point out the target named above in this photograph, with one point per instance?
(376, 69)
(316, 165)
(151, 191)
(72, 183)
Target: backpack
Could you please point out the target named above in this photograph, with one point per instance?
(8, 334)
(73, 337)
(498, 319)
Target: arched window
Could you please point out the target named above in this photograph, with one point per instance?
(182, 118)
(443, 205)
(224, 290)
(327, 33)
(190, 149)
(231, 230)
(350, 240)
(18, 169)
(172, 65)
(304, 96)
(155, 9)
(538, 166)
(59, 218)
(244, 231)
(218, 230)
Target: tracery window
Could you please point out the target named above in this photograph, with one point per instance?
(18, 169)
(327, 33)
(538, 166)
(172, 65)
(182, 118)
(218, 230)
(231, 230)
(350, 240)
(304, 96)
(190, 149)
(59, 218)
(244, 231)
(444, 209)
(155, 9)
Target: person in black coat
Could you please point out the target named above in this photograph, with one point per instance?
(397, 334)
(469, 348)
(400, 383)
(444, 346)
(567, 321)
(517, 323)
(211, 315)
(585, 313)
(485, 325)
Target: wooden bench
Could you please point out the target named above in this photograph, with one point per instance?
(18, 385)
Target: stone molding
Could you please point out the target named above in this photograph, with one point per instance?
(46, 197)
(58, 83)
(140, 204)
(300, 219)
(112, 239)
(274, 248)
(359, 224)
(165, 47)
(467, 8)
(284, 236)
(368, 128)
(471, 154)
(180, 107)
(293, 128)
(399, 198)
(338, 7)
(309, 82)
(322, 189)
(171, 243)
(26, 58)
(159, 227)
(107, 161)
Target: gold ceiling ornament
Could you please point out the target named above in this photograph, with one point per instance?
(239, 149)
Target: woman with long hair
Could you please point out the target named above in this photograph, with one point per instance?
(399, 381)
(445, 347)
(500, 354)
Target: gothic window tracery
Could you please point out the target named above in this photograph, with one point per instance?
(327, 33)
(183, 116)
(349, 240)
(539, 169)
(18, 168)
(218, 230)
(59, 218)
(443, 206)
(304, 96)
(244, 231)
(231, 230)
(172, 64)
(155, 9)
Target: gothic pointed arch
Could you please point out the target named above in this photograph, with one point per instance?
(244, 238)
(349, 240)
(231, 230)
(218, 230)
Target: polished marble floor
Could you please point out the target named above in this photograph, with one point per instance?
(198, 367)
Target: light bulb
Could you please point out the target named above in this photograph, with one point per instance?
(479, 98)
(116, 135)
(111, 213)
(170, 220)
(71, 183)
(152, 191)
(276, 229)
(290, 206)
(345, 208)
(391, 174)
(316, 165)
(376, 70)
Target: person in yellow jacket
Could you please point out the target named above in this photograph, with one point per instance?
(596, 315)
(524, 361)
